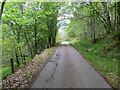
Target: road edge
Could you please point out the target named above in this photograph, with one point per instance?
(94, 68)
(43, 66)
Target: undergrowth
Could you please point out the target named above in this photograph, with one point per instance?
(103, 56)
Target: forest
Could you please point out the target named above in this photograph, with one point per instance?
(28, 28)
(24, 36)
(95, 30)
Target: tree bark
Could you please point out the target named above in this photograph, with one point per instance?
(12, 65)
(108, 21)
(118, 11)
(35, 36)
(1, 10)
(16, 54)
(31, 53)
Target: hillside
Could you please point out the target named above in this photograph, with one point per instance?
(103, 55)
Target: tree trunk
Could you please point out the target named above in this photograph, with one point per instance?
(31, 53)
(106, 13)
(49, 40)
(35, 35)
(17, 61)
(118, 20)
(1, 10)
(115, 21)
(94, 18)
(54, 38)
(12, 65)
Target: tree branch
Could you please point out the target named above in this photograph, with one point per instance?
(1, 10)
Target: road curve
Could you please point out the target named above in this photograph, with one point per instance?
(68, 69)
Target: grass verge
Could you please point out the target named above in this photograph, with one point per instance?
(106, 66)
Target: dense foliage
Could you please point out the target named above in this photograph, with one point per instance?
(94, 20)
(27, 29)
(96, 25)
(30, 27)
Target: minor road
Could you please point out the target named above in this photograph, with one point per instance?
(68, 69)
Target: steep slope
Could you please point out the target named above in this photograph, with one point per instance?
(103, 55)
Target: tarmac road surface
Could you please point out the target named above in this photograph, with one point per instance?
(68, 69)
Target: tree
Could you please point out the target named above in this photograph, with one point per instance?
(1, 10)
(30, 27)
(100, 19)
